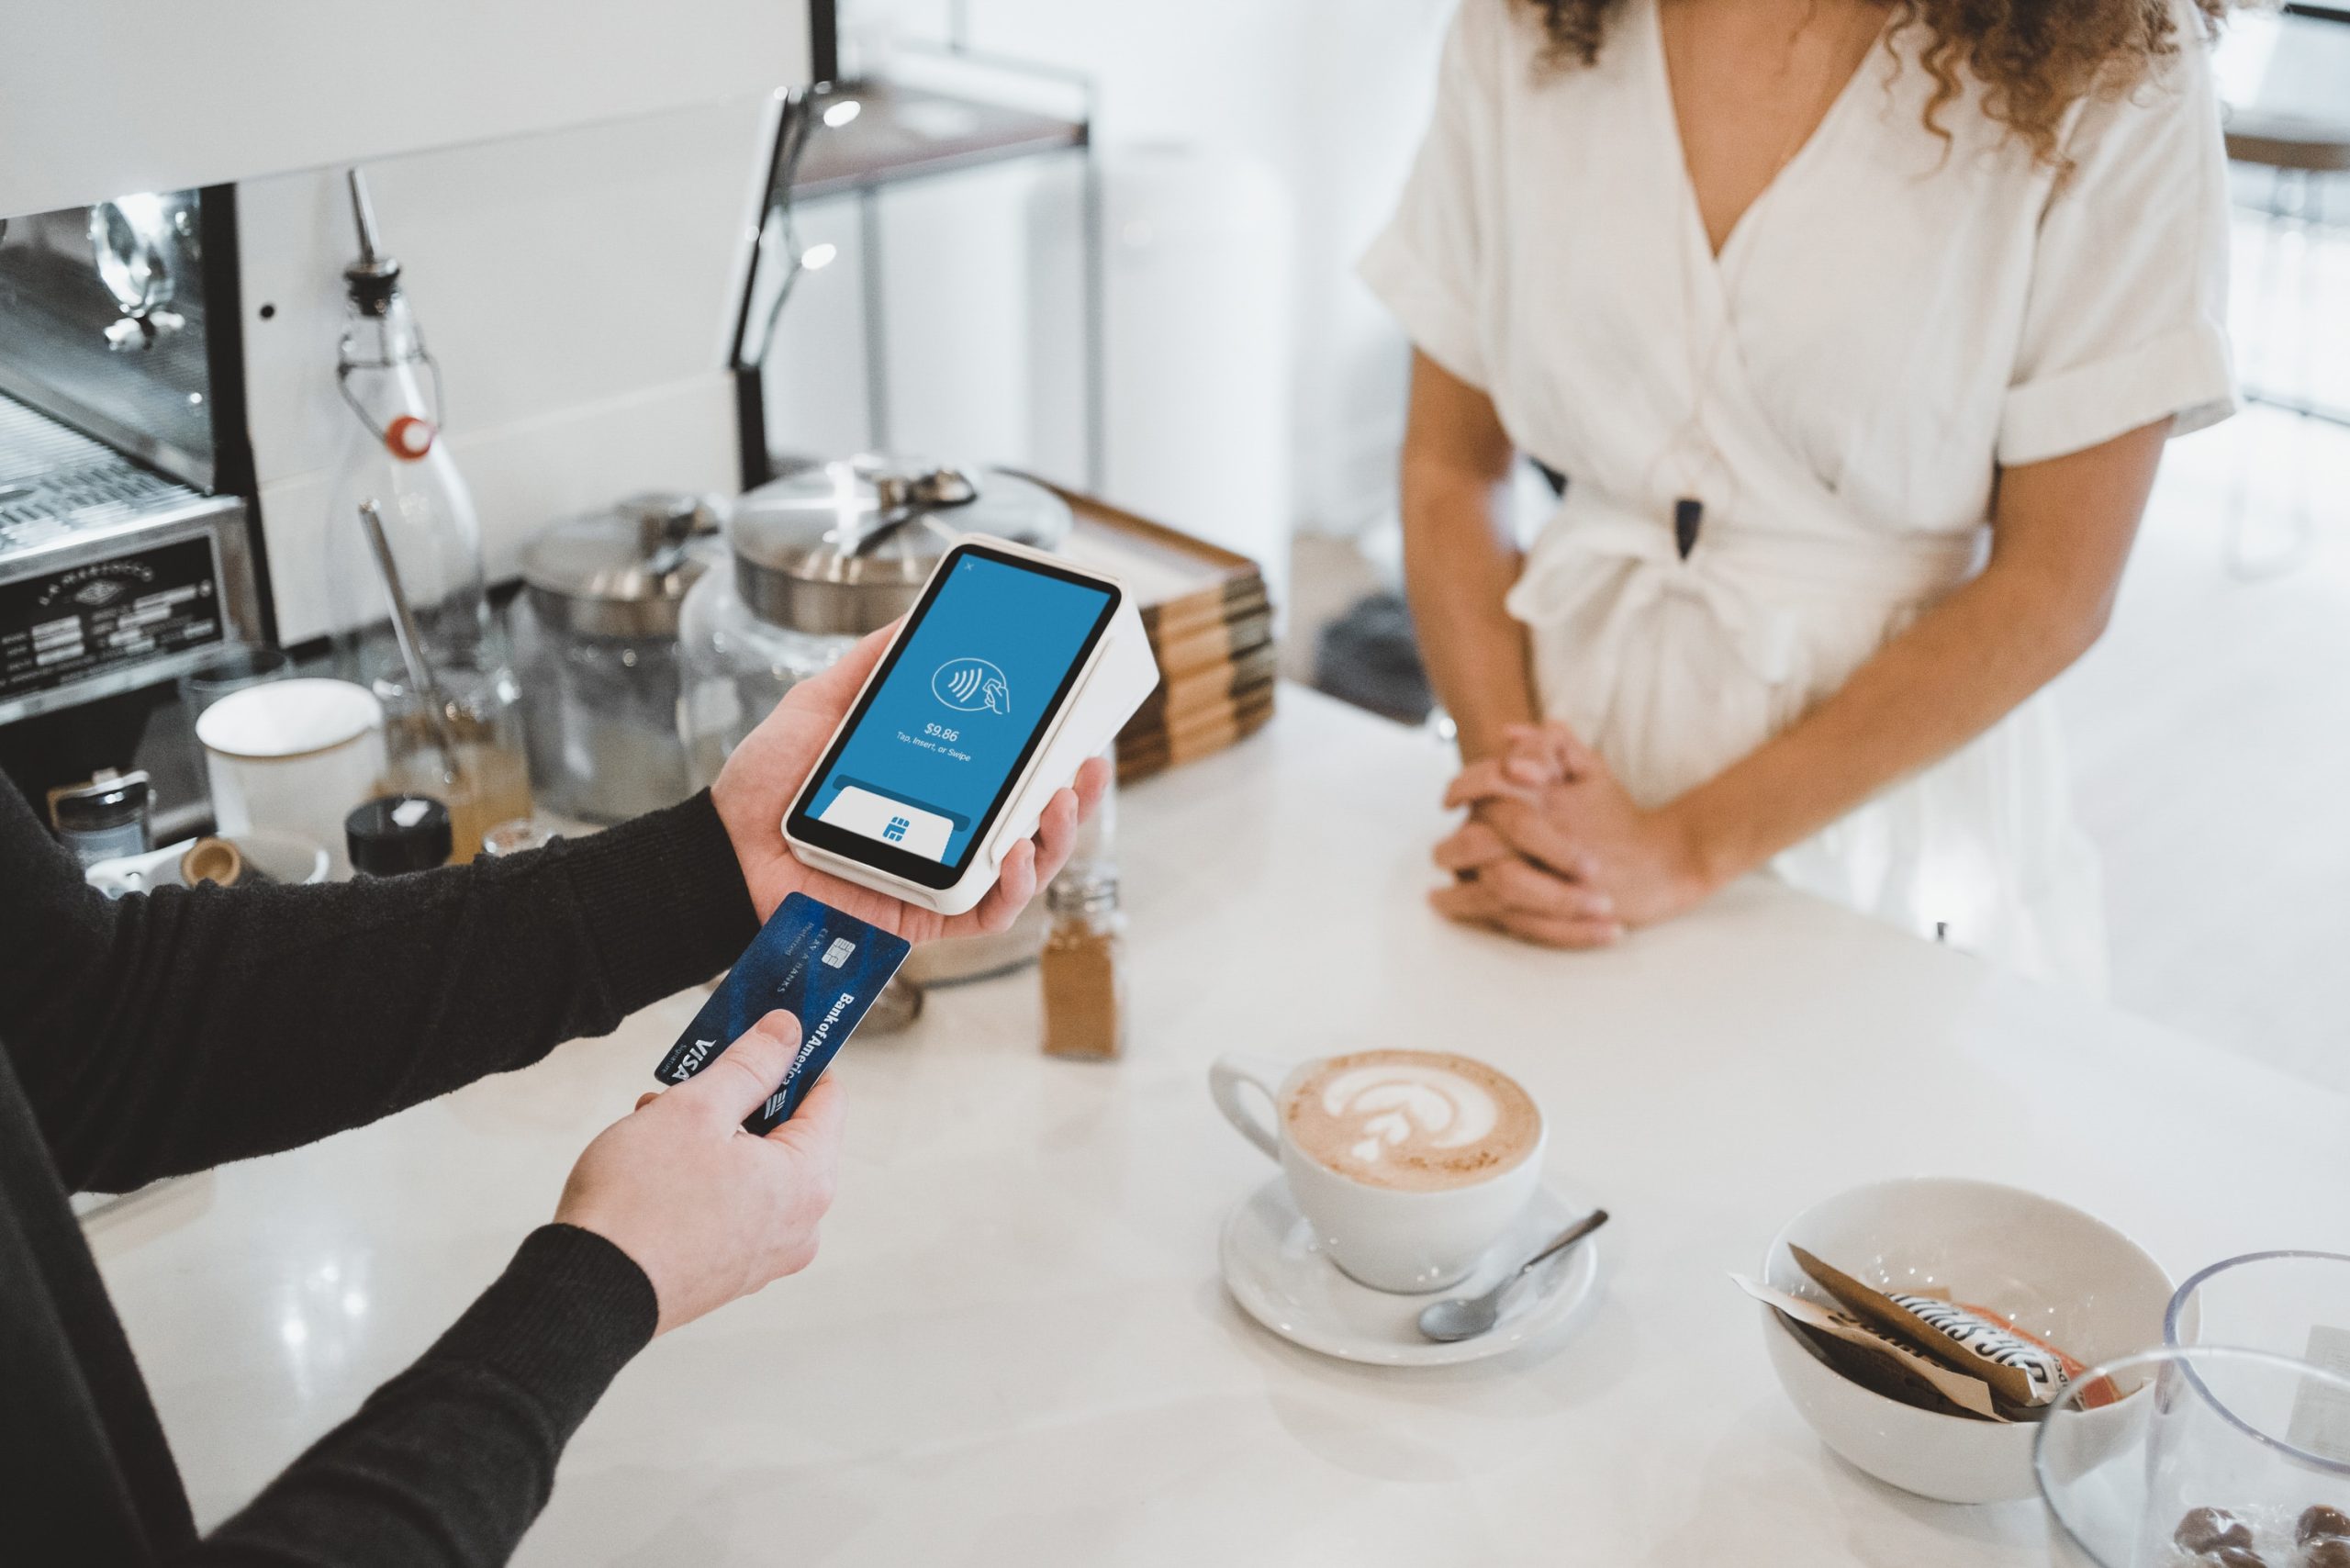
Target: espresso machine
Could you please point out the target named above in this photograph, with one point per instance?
(127, 545)
(575, 211)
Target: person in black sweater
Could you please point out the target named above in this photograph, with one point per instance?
(156, 1036)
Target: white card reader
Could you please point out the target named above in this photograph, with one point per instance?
(1012, 668)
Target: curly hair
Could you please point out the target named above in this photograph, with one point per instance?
(2035, 59)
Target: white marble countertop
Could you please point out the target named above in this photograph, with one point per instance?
(1014, 1348)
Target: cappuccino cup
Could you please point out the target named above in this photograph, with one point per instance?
(1409, 1165)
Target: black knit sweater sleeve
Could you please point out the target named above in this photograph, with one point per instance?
(449, 1462)
(165, 1034)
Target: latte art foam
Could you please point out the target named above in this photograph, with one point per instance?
(1420, 1120)
(1394, 1103)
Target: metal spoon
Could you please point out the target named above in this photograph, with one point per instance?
(410, 639)
(1465, 1316)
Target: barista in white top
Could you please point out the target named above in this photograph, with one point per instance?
(1902, 391)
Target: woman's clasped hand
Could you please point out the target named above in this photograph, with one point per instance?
(1555, 850)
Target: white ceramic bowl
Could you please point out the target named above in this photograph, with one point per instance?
(283, 857)
(2070, 1278)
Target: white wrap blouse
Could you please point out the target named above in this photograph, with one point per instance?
(1893, 320)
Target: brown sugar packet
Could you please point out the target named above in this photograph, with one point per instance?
(1878, 1363)
(1875, 1371)
(2020, 1369)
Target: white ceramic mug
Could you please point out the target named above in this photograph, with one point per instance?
(1386, 1237)
(296, 755)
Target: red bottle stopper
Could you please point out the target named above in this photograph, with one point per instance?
(408, 437)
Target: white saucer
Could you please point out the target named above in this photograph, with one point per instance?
(1275, 1268)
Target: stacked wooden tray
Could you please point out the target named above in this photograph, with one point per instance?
(1211, 624)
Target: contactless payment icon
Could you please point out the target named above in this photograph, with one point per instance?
(970, 684)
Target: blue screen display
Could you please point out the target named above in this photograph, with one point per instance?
(974, 680)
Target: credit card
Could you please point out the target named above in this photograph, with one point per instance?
(822, 966)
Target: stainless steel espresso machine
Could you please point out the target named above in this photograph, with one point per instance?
(127, 545)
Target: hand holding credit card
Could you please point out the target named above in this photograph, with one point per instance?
(822, 966)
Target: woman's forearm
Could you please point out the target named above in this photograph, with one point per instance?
(1460, 558)
(2060, 537)
(1458, 570)
(1958, 670)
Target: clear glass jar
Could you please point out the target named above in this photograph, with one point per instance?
(603, 716)
(487, 780)
(596, 635)
(733, 669)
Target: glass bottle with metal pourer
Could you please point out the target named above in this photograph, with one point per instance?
(404, 567)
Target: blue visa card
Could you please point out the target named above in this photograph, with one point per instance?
(822, 966)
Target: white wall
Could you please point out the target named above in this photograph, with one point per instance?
(1332, 93)
(100, 97)
(954, 319)
(579, 287)
(1198, 328)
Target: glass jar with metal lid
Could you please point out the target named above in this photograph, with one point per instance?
(819, 558)
(598, 629)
